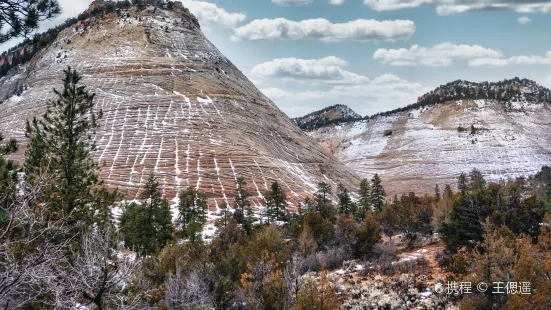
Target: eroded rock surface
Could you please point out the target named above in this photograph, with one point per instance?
(174, 107)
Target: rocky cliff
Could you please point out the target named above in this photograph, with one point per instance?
(173, 106)
(503, 130)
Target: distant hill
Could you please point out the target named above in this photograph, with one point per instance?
(334, 114)
(503, 129)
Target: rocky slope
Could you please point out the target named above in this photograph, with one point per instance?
(173, 106)
(430, 143)
(331, 115)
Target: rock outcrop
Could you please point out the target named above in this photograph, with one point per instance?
(416, 148)
(174, 107)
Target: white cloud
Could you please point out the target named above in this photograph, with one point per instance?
(336, 2)
(523, 20)
(439, 55)
(209, 14)
(275, 93)
(385, 92)
(322, 29)
(515, 60)
(292, 2)
(450, 7)
(313, 71)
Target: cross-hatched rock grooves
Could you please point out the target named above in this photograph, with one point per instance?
(174, 107)
(416, 149)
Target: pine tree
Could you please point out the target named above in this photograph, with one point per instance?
(276, 203)
(192, 208)
(130, 225)
(147, 227)
(243, 211)
(345, 203)
(365, 198)
(225, 213)
(462, 183)
(367, 236)
(60, 144)
(378, 194)
(323, 203)
(8, 180)
(23, 16)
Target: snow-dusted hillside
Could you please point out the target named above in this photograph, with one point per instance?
(331, 115)
(174, 107)
(418, 148)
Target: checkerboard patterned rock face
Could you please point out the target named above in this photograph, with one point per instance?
(174, 107)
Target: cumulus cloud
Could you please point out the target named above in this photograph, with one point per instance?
(367, 30)
(439, 55)
(275, 93)
(515, 60)
(382, 93)
(336, 2)
(209, 14)
(523, 20)
(450, 7)
(313, 71)
(292, 2)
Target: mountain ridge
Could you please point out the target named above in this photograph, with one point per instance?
(174, 107)
(503, 91)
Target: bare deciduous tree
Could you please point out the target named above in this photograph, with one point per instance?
(99, 272)
(189, 292)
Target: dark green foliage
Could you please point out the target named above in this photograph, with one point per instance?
(60, 145)
(225, 214)
(502, 91)
(364, 205)
(528, 217)
(367, 236)
(8, 182)
(147, 227)
(22, 16)
(378, 194)
(346, 206)
(323, 202)
(193, 209)
(323, 229)
(276, 203)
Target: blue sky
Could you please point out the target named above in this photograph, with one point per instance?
(373, 55)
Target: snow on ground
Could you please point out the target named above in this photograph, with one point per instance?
(425, 147)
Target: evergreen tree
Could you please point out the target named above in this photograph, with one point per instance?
(276, 203)
(8, 180)
(60, 144)
(345, 203)
(323, 203)
(367, 236)
(365, 198)
(462, 183)
(130, 225)
(225, 213)
(193, 209)
(378, 194)
(243, 211)
(147, 227)
(23, 16)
